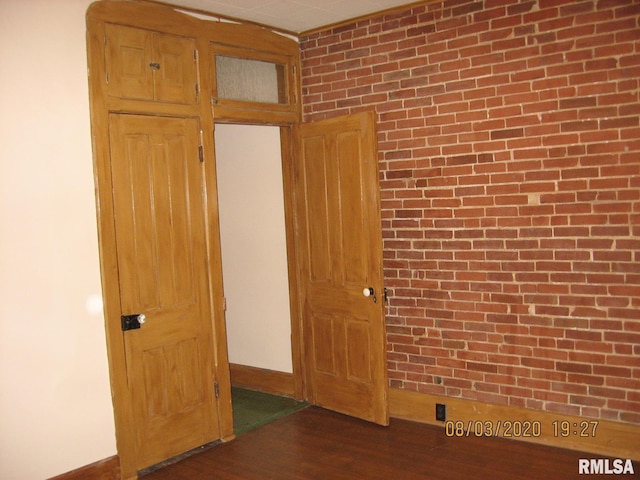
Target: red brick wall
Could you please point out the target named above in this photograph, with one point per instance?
(509, 140)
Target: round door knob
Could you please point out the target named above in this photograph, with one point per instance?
(141, 318)
(368, 291)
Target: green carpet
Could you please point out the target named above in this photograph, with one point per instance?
(252, 409)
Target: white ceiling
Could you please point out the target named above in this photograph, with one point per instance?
(292, 15)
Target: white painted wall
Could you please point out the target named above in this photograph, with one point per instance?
(254, 258)
(55, 404)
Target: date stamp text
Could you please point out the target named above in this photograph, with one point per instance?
(520, 428)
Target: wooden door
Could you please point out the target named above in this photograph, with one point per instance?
(145, 65)
(175, 72)
(161, 257)
(341, 256)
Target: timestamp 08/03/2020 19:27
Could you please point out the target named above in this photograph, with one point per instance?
(520, 428)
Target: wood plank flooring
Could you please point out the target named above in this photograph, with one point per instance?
(317, 444)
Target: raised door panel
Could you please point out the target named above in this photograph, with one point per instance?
(128, 56)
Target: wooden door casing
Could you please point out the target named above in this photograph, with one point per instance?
(341, 254)
(161, 254)
(108, 97)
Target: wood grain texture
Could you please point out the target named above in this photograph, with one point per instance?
(160, 237)
(340, 252)
(317, 444)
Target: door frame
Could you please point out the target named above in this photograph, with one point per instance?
(288, 145)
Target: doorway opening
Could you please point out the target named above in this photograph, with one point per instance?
(254, 265)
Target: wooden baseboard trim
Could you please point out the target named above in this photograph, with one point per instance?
(612, 439)
(262, 380)
(107, 469)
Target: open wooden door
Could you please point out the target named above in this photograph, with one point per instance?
(340, 245)
(161, 258)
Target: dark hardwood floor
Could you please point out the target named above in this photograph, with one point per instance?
(318, 444)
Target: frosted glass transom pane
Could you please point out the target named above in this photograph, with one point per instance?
(250, 80)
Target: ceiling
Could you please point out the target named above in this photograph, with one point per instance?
(292, 15)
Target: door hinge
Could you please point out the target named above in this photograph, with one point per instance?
(196, 59)
(201, 147)
(216, 389)
(295, 82)
(106, 74)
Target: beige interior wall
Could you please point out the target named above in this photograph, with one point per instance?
(254, 260)
(55, 402)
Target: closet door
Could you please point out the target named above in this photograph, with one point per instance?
(145, 65)
(162, 265)
(175, 69)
